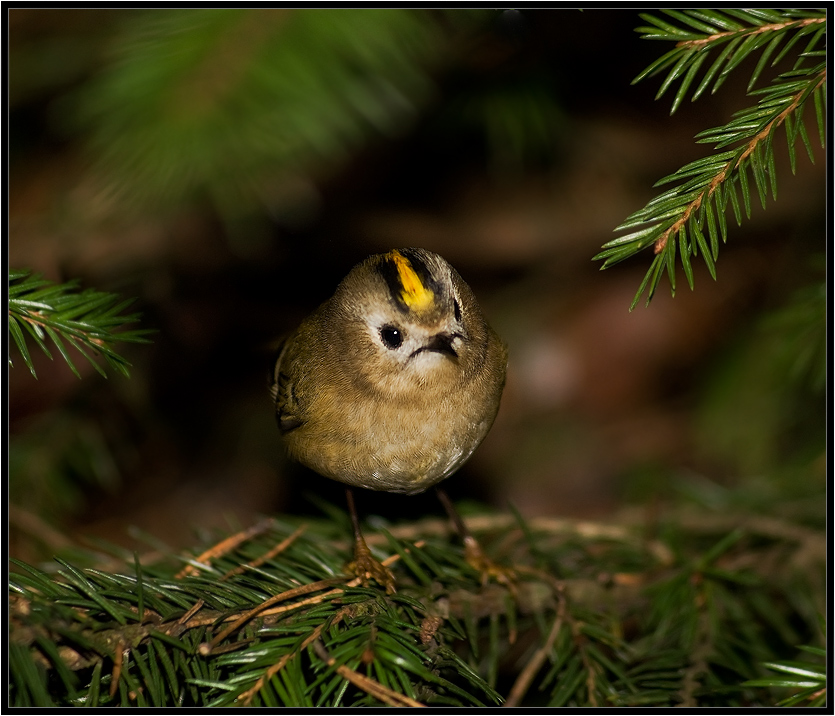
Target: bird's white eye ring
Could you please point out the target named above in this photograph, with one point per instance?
(391, 336)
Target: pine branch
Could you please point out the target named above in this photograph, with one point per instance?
(88, 320)
(691, 217)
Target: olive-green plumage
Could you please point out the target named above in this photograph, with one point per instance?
(393, 382)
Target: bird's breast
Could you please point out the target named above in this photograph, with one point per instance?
(396, 446)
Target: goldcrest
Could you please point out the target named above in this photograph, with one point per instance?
(394, 381)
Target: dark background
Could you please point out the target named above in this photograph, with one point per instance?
(603, 408)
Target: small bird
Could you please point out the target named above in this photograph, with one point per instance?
(391, 384)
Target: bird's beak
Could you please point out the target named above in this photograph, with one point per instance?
(442, 343)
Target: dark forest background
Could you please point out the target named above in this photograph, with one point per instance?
(228, 167)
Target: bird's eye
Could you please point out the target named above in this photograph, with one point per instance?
(457, 309)
(392, 337)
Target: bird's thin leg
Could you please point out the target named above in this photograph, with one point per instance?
(355, 523)
(472, 549)
(365, 565)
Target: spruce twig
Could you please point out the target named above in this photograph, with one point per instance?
(89, 320)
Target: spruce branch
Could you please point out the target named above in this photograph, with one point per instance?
(740, 33)
(89, 321)
(690, 218)
(262, 625)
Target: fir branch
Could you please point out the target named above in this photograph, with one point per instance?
(88, 320)
(690, 218)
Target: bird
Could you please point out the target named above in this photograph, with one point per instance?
(390, 384)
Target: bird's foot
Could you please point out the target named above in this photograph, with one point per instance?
(478, 560)
(366, 566)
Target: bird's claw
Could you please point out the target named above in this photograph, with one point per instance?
(478, 560)
(366, 566)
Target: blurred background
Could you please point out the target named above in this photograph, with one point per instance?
(228, 167)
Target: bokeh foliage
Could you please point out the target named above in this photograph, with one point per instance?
(233, 104)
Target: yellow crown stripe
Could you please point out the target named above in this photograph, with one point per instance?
(414, 294)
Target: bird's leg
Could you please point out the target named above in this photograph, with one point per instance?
(365, 565)
(473, 551)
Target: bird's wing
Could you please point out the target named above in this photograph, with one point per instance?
(282, 389)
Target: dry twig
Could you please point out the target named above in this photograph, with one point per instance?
(523, 681)
(223, 547)
(275, 551)
(369, 685)
(118, 657)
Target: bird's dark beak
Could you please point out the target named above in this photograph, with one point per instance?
(442, 343)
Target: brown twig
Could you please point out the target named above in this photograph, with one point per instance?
(817, 694)
(198, 605)
(369, 685)
(206, 649)
(224, 546)
(333, 592)
(278, 549)
(550, 525)
(246, 697)
(264, 608)
(523, 681)
(118, 657)
(773, 27)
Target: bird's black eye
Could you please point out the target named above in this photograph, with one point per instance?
(392, 337)
(457, 309)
